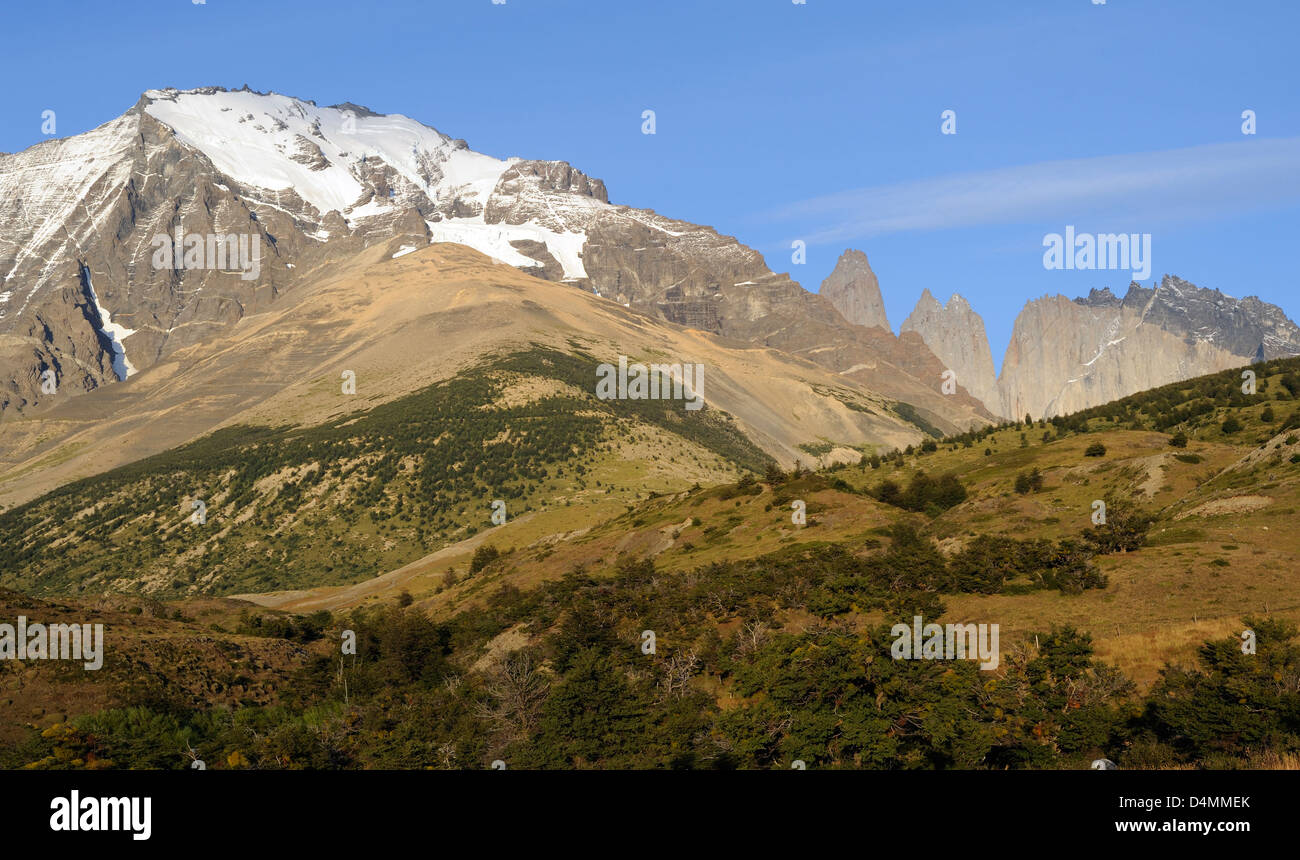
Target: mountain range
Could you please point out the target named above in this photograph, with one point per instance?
(337, 197)
(374, 417)
(1067, 355)
(84, 300)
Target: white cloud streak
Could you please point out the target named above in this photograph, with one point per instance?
(1192, 183)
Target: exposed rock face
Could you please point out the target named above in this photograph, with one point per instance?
(1068, 355)
(955, 333)
(854, 291)
(402, 324)
(78, 217)
(523, 182)
(316, 186)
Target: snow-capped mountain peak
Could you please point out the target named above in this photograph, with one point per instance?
(327, 155)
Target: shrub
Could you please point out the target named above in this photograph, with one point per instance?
(1125, 529)
(1029, 482)
(1096, 449)
(483, 556)
(923, 493)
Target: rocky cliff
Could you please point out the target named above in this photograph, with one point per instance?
(955, 333)
(83, 296)
(1067, 355)
(853, 290)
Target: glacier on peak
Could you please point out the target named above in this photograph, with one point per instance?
(328, 157)
(254, 138)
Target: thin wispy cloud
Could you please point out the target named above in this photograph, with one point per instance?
(1139, 189)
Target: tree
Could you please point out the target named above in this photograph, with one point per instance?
(922, 492)
(1231, 425)
(483, 556)
(592, 715)
(1230, 699)
(515, 692)
(949, 492)
(1125, 528)
(1029, 482)
(890, 493)
(1178, 440)
(1096, 449)
(1069, 568)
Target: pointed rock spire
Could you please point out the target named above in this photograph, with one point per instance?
(955, 333)
(852, 289)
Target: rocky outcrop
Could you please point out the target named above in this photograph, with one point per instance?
(852, 289)
(1067, 355)
(521, 184)
(955, 333)
(315, 186)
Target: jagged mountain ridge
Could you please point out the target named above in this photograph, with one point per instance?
(853, 289)
(1070, 354)
(956, 334)
(317, 185)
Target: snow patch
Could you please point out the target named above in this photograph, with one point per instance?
(494, 241)
(257, 140)
(115, 333)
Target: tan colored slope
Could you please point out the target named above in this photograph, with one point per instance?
(400, 324)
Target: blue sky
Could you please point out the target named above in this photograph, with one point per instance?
(778, 121)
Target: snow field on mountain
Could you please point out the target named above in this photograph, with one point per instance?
(255, 138)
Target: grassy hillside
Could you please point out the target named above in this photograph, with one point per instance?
(359, 495)
(772, 636)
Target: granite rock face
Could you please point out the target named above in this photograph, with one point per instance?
(1071, 354)
(955, 333)
(1067, 355)
(854, 291)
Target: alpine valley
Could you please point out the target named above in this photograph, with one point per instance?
(377, 412)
